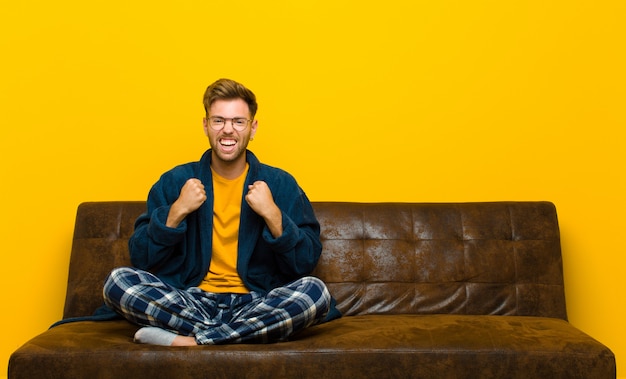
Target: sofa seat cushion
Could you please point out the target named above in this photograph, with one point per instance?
(369, 346)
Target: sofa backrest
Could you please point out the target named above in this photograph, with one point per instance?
(499, 258)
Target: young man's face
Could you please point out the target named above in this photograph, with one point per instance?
(229, 144)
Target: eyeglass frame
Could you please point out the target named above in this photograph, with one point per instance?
(232, 120)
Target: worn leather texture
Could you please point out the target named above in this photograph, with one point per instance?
(447, 290)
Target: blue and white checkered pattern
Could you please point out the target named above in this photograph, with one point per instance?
(142, 298)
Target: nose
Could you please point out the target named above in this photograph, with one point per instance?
(229, 125)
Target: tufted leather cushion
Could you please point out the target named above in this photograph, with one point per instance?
(469, 258)
(100, 244)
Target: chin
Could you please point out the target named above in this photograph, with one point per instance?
(233, 157)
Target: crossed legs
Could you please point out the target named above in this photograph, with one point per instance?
(192, 316)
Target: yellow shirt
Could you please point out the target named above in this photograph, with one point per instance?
(227, 196)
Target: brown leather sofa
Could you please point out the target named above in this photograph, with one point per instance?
(468, 290)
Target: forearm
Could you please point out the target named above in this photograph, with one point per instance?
(175, 216)
(274, 221)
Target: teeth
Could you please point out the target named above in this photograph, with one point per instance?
(227, 142)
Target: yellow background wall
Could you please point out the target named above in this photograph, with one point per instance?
(421, 101)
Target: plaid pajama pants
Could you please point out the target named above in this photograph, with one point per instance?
(213, 318)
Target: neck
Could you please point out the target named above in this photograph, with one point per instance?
(229, 169)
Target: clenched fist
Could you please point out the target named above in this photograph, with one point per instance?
(260, 199)
(191, 197)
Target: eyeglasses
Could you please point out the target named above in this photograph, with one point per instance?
(239, 123)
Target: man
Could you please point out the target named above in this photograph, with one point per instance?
(224, 251)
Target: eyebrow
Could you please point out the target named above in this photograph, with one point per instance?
(212, 116)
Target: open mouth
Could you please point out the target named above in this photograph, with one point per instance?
(228, 144)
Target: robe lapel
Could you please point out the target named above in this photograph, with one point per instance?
(205, 212)
(250, 228)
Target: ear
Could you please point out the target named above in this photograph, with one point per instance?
(205, 125)
(253, 128)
